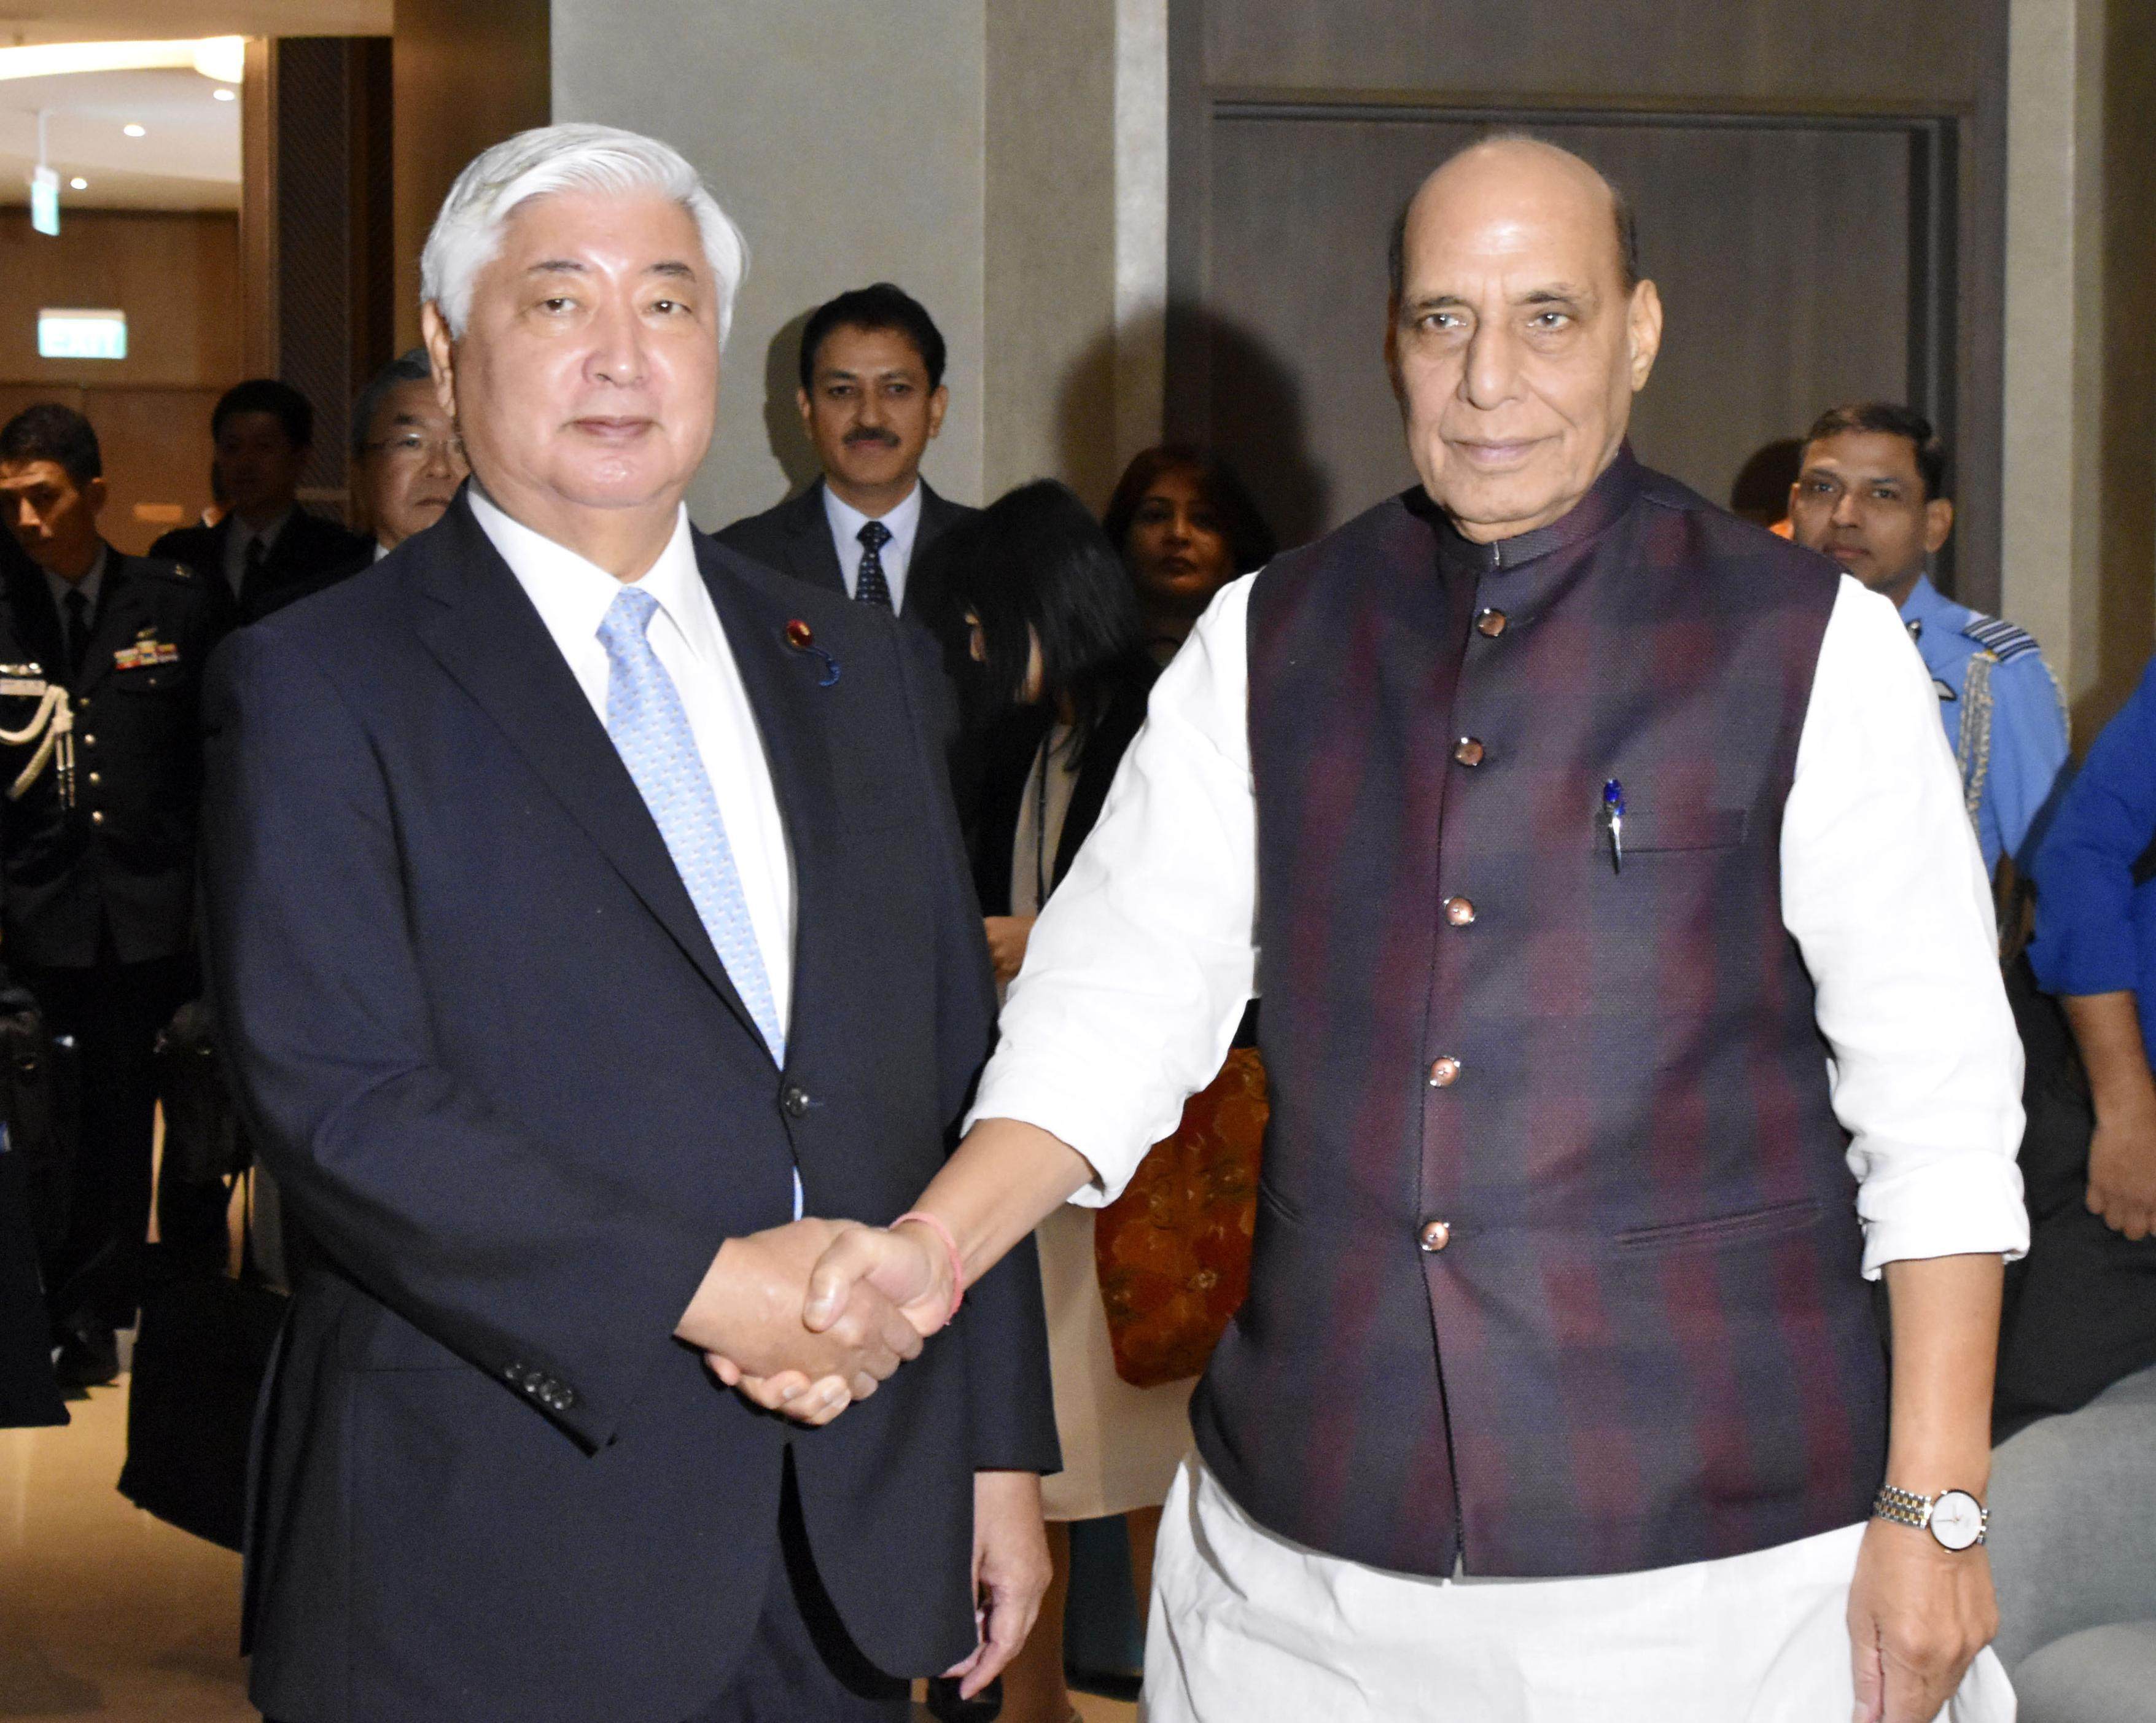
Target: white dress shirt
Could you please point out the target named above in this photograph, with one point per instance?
(237, 541)
(902, 523)
(573, 597)
(1140, 966)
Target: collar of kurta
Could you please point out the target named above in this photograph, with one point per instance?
(1606, 502)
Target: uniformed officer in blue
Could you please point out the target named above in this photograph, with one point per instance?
(1871, 494)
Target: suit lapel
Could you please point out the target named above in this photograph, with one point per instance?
(119, 615)
(789, 705)
(38, 623)
(477, 622)
(809, 553)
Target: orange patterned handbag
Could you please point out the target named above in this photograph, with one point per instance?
(1174, 1249)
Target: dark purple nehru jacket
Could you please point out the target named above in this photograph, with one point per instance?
(1558, 1262)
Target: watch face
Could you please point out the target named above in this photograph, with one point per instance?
(1956, 1521)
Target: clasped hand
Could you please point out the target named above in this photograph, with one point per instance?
(806, 1319)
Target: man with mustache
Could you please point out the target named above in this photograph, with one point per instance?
(1871, 494)
(872, 399)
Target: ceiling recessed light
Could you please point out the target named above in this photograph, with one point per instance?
(226, 95)
(133, 131)
(79, 185)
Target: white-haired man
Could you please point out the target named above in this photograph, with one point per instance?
(535, 924)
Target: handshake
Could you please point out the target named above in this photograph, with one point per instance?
(808, 1318)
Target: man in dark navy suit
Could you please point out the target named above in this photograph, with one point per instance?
(267, 551)
(586, 910)
(872, 399)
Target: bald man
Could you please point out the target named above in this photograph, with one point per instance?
(1629, 999)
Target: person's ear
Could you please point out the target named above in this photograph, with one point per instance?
(1643, 329)
(441, 356)
(939, 401)
(1939, 522)
(1392, 351)
(807, 410)
(94, 494)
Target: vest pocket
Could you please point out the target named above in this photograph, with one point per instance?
(1648, 831)
(1770, 1223)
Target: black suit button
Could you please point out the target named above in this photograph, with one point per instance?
(514, 1375)
(794, 1098)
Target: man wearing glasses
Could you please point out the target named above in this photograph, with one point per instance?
(406, 460)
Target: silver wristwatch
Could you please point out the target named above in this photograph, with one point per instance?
(1954, 1517)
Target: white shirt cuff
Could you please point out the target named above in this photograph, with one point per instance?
(1921, 1202)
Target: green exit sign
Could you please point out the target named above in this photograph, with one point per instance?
(82, 334)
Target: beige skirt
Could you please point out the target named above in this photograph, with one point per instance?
(1121, 1445)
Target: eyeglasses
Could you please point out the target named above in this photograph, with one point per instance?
(411, 446)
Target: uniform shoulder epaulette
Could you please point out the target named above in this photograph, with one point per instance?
(2001, 639)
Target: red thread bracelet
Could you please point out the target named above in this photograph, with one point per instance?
(950, 1244)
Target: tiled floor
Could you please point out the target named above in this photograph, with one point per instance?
(105, 1612)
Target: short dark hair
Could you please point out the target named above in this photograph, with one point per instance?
(1889, 418)
(1250, 542)
(59, 434)
(265, 394)
(880, 305)
(1620, 207)
(407, 367)
(1035, 565)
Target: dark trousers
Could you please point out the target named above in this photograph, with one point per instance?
(113, 1012)
(801, 1666)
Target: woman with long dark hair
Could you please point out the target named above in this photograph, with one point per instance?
(1185, 526)
(1039, 615)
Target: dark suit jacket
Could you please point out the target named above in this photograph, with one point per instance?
(124, 856)
(507, 1087)
(303, 557)
(795, 538)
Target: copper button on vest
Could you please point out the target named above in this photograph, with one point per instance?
(1491, 622)
(1444, 1073)
(1467, 750)
(1434, 1236)
(1459, 911)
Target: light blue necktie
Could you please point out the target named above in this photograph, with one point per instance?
(650, 732)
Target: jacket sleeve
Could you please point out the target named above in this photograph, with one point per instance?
(1003, 1325)
(2085, 939)
(562, 1283)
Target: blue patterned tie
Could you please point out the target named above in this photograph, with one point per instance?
(650, 732)
(870, 585)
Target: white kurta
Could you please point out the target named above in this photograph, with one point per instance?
(1248, 1627)
(1120, 1445)
(1134, 980)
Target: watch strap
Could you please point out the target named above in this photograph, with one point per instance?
(1905, 1507)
